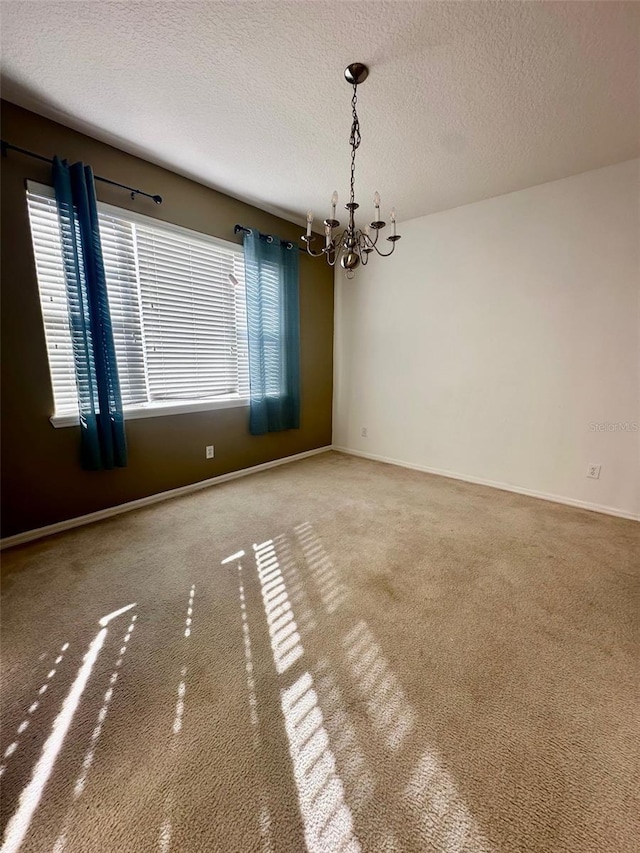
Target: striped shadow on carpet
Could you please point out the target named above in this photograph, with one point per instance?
(336, 655)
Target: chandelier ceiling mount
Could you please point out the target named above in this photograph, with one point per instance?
(356, 73)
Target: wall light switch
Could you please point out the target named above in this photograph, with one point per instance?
(593, 471)
(209, 451)
(364, 432)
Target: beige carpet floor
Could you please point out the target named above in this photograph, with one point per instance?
(396, 662)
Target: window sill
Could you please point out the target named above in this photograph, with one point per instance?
(157, 409)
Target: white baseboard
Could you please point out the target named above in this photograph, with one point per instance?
(606, 510)
(60, 526)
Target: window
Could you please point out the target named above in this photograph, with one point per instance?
(178, 309)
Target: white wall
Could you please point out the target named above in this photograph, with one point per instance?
(496, 335)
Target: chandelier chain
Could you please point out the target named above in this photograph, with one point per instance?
(354, 139)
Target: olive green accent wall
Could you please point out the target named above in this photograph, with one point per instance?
(42, 481)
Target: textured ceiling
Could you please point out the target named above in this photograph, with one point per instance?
(465, 100)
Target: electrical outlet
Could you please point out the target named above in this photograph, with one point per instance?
(209, 451)
(364, 432)
(593, 471)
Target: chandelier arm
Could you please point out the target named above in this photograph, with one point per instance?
(339, 243)
(333, 252)
(369, 243)
(316, 254)
(386, 254)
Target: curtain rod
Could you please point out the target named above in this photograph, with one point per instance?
(7, 146)
(238, 228)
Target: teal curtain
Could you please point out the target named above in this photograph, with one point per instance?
(102, 443)
(273, 319)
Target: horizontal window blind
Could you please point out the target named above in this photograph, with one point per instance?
(119, 254)
(178, 309)
(189, 315)
(47, 248)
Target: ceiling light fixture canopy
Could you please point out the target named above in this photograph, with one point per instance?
(354, 245)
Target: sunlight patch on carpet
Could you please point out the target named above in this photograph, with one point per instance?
(30, 797)
(443, 819)
(387, 706)
(328, 824)
(283, 630)
(332, 590)
(11, 749)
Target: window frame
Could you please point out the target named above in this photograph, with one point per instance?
(156, 408)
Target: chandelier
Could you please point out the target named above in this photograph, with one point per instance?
(354, 245)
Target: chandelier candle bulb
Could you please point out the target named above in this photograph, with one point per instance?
(393, 219)
(309, 222)
(376, 204)
(327, 234)
(334, 202)
(368, 243)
